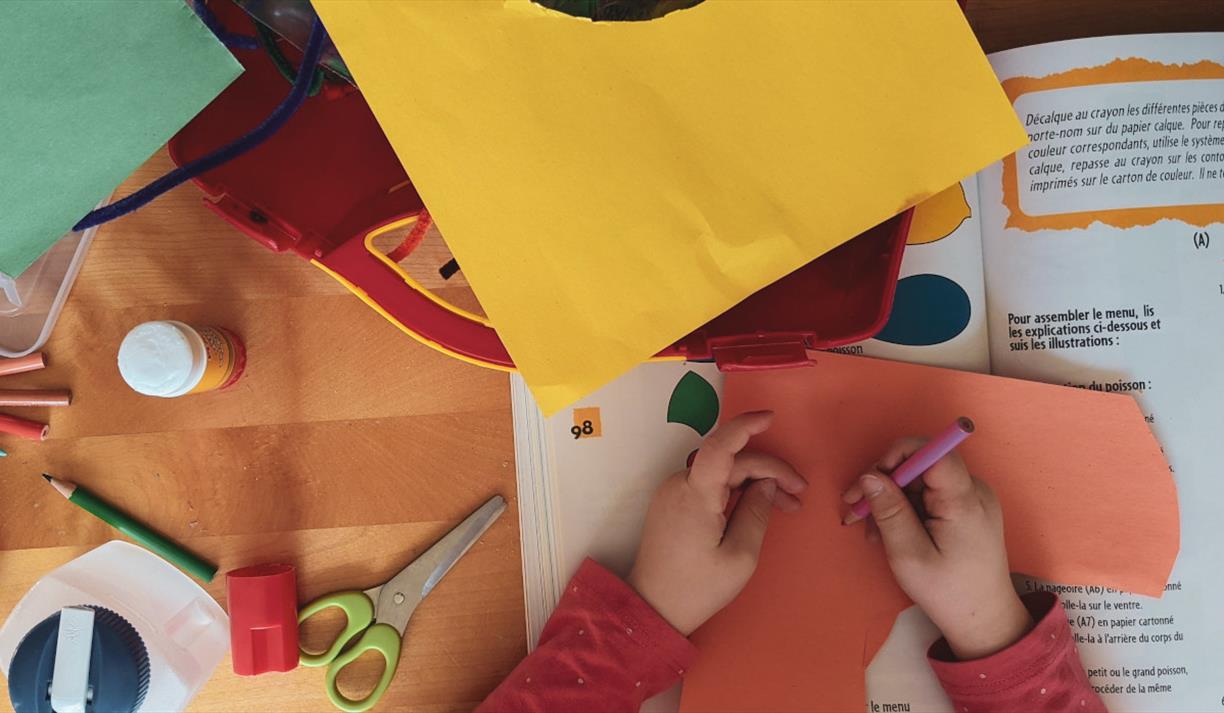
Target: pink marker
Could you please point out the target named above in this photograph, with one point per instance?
(922, 459)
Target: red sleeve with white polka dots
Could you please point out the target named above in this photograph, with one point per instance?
(1041, 672)
(603, 649)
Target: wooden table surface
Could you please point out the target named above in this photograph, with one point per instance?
(347, 448)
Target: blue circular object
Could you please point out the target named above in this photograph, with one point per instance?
(118, 666)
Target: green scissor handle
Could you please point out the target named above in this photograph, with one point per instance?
(382, 638)
(359, 614)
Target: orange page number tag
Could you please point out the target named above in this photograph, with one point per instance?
(586, 423)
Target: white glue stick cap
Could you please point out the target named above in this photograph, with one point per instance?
(162, 358)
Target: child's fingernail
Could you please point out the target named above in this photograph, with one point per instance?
(770, 488)
(872, 485)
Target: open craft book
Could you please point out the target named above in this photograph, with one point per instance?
(1093, 258)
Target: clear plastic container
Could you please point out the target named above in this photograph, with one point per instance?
(31, 302)
(185, 631)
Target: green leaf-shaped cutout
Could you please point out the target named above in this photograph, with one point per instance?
(693, 403)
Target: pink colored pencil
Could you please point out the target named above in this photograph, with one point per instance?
(23, 428)
(35, 397)
(922, 459)
(30, 362)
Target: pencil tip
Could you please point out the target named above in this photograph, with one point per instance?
(47, 476)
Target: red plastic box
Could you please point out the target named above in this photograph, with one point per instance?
(328, 183)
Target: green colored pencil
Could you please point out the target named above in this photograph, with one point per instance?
(142, 535)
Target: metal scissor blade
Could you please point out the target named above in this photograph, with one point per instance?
(397, 599)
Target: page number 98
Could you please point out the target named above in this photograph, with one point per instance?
(586, 423)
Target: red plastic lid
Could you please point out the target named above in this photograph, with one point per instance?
(263, 618)
(843, 296)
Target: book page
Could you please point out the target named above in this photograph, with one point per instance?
(1103, 271)
(606, 474)
(1104, 253)
(591, 470)
(609, 452)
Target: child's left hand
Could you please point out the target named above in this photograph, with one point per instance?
(693, 561)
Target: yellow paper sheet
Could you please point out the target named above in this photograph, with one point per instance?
(609, 187)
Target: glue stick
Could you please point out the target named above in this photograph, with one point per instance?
(169, 359)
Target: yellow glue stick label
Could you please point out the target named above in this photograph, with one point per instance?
(222, 356)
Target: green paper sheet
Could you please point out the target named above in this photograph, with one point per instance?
(89, 89)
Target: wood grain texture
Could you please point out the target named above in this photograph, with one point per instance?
(347, 448)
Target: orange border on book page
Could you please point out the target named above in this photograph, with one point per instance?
(1116, 72)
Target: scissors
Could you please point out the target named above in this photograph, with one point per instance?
(377, 618)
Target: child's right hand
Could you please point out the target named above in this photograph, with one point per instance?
(948, 553)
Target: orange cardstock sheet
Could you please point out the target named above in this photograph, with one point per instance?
(1087, 498)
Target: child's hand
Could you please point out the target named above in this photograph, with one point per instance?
(948, 554)
(692, 561)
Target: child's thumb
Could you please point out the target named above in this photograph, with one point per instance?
(746, 528)
(901, 531)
